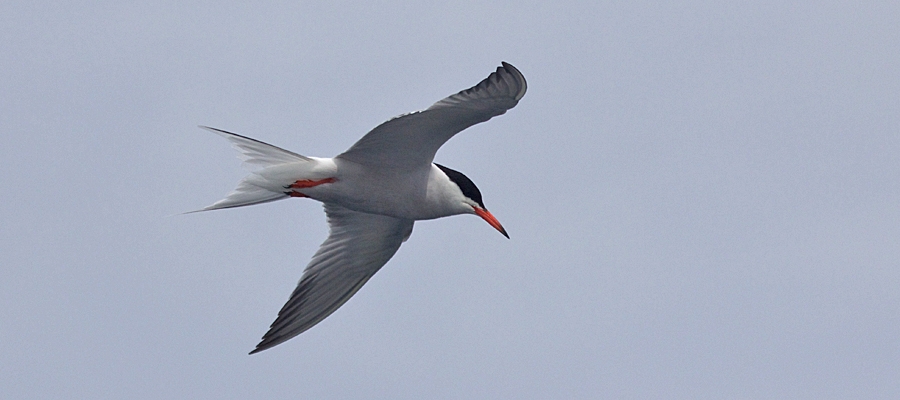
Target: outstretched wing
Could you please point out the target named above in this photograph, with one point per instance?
(358, 246)
(410, 141)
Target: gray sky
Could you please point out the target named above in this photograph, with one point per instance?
(702, 200)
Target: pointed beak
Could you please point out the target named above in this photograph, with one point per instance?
(487, 216)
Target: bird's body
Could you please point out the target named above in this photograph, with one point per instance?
(416, 195)
(372, 194)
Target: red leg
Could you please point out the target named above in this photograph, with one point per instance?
(308, 183)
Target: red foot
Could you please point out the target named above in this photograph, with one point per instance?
(307, 183)
(296, 194)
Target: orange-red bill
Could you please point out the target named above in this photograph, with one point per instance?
(487, 216)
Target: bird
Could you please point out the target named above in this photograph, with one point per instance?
(372, 194)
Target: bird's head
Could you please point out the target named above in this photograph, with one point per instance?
(471, 198)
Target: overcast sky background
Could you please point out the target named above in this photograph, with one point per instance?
(703, 199)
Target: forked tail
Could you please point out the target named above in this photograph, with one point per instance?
(272, 169)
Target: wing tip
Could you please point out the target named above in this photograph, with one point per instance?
(517, 76)
(269, 341)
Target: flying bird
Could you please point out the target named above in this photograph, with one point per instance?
(372, 194)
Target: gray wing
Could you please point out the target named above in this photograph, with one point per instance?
(410, 141)
(358, 246)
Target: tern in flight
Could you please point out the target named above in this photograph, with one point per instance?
(372, 193)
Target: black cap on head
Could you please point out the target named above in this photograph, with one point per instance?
(465, 184)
